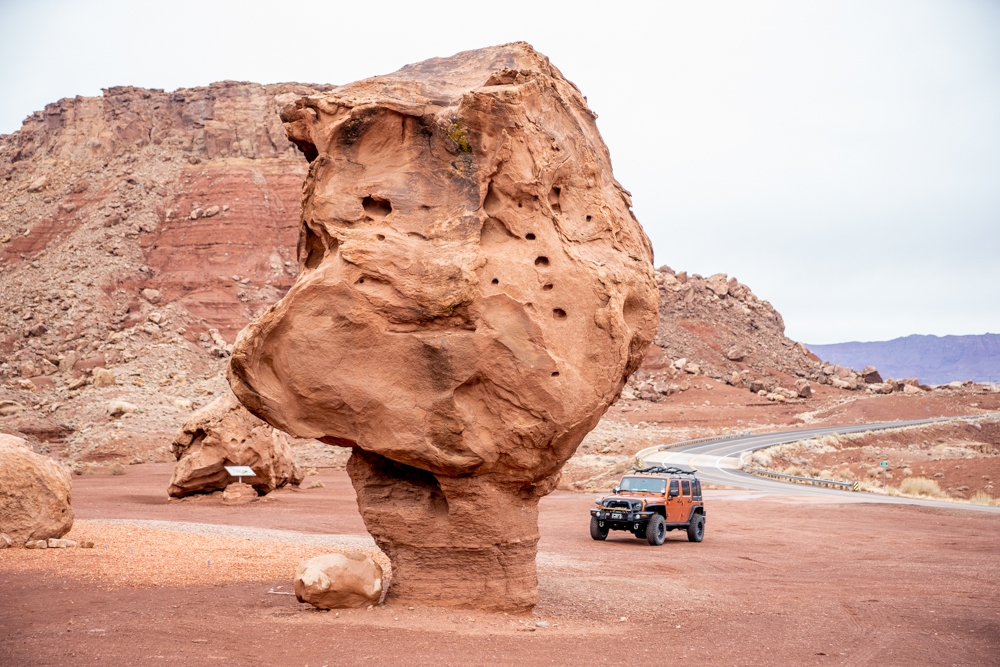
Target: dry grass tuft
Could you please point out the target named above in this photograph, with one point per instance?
(980, 497)
(920, 486)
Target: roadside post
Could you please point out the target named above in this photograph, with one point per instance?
(239, 472)
(885, 466)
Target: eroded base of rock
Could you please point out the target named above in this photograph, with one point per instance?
(452, 541)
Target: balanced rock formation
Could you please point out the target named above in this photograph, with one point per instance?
(474, 291)
(339, 581)
(223, 434)
(34, 494)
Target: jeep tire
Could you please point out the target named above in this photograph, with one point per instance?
(596, 531)
(696, 529)
(656, 530)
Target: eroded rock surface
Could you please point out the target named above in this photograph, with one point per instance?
(34, 494)
(474, 291)
(223, 434)
(339, 581)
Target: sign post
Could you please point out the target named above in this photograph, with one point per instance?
(239, 472)
(885, 466)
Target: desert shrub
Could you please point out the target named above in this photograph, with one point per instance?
(980, 497)
(794, 470)
(920, 486)
(118, 469)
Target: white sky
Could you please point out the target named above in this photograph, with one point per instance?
(841, 158)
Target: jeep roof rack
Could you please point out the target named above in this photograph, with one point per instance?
(661, 470)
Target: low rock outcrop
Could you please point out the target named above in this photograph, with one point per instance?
(34, 494)
(339, 581)
(224, 433)
(474, 291)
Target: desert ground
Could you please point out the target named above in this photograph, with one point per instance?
(779, 580)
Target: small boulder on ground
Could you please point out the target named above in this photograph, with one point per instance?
(871, 375)
(34, 493)
(803, 388)
(224, 433)
(238, 493)
(339, 581)
(102, 377)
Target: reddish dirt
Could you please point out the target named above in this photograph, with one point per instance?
(777, 581)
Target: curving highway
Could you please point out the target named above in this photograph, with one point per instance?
(718, 462)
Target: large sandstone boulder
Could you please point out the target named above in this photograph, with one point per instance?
(474, 291)
(34, 493)
(339, 581)
(223, 434)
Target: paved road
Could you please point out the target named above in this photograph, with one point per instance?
(718, 462)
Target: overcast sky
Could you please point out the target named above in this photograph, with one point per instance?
(840, 158)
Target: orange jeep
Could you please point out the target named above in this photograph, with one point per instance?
(650, 502)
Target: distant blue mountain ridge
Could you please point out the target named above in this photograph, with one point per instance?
(932, 359)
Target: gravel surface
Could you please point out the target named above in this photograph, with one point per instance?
(142, 553)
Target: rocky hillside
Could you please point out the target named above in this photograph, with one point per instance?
(717, 327)
(140, 231)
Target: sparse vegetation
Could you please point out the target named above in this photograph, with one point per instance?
(980, 497)
(920, 486)
(118, 469)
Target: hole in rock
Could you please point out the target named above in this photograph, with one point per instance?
(495, 281)
(559, 313)
(542, 261)
(377, 207)
(362, 280)
(520, 205)
(530, 237)
(380, 237)
(494, 232)
(555, 374)
(547, 286)
(554, 199)
(312, 246)
(589, 218)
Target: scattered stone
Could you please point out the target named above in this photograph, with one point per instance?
(541, 624)
(339, 581)
(78, 383)
(29, 370)
(151, 295)
(870, 375)
(118, 407)
(8, 408)
(224, 433)
(68, 361)
(36, 544)
(693, 369)
(102, 377)
(803, 389)
(735, 353)
(912, 389)
(210, 211)
(56, 543)
(182, 404)
(5, 541)
(86, 544)
(34, 493)
(38, 184)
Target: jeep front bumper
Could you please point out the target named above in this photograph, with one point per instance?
(620, 519)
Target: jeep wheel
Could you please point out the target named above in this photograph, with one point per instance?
(656, 530)
(696, 529)
(596, 531)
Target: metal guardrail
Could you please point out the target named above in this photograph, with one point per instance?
(849, 486)
(685, 443)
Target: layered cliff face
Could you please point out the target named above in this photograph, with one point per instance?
(190, 198)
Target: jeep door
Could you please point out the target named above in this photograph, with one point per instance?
(675, 506)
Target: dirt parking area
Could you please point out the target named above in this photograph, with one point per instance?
(777, 581)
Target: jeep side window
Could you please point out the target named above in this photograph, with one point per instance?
(673, 487)
(685, 487)
(697, 489)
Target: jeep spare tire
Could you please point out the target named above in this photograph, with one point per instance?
(696, 529)
(656, 530)
(596, 531)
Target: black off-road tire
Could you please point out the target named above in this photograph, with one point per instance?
(696, 529)
(596, 531)
(656, 530)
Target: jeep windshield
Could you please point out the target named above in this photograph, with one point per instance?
(647, 484)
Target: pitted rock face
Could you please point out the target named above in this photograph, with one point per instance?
(474, 289)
